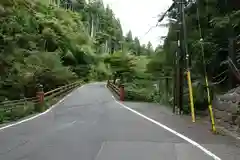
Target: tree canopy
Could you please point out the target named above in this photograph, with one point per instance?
(56, 42)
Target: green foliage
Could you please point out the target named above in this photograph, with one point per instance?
(99, 72)
(57, 43)
(40, 43)
(121, 65)
(219, 21)
(17, 112)
(35, 39)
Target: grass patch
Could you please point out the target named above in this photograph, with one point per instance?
(15, 113)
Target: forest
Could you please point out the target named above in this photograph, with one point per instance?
(212, 31)
(58, 42)
(42, 42)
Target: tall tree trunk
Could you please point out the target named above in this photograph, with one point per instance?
(106, 47)
(114, 78)
(92, 26)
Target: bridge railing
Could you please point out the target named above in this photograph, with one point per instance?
(9, 105)
(118, 90)
(15, 109)
(58, 91)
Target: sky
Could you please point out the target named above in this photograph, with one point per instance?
(139, 16)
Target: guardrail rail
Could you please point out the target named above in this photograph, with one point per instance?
(15, 109)
(119, 91)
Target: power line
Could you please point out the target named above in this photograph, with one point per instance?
(159, 20)
(182, 45)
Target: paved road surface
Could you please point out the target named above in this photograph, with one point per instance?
(90, 125)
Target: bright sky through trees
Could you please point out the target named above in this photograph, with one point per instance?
(139, 15)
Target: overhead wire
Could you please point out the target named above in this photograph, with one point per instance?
(159, 20)
(233, 68)
(215, 83)
(220, 74)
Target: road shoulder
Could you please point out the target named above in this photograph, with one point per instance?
(199, 131)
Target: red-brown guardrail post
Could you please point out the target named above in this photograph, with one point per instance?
(40, 97)
(121, 92)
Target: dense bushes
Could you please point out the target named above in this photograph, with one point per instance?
(47, 44)
(17, 112)
(40, 44)
(219, 21)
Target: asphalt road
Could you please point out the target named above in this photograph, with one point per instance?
(90, 125)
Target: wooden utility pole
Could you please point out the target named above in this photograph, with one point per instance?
(175, 82)
(180, 57)
(187, 64)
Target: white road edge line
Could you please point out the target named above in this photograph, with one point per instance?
(40, 114)
(209, 153)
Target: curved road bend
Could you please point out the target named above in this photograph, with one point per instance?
(90, 125)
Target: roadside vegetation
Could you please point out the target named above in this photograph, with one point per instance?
(151, 78)
(54, 44)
